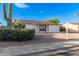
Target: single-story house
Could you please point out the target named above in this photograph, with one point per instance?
(72, 27)
(41, 26)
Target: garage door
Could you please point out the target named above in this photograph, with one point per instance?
(53, 28)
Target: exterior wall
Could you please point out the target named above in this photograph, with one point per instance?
(71, 26)
(36, 28)
(54, 28)
(47, 28)
(29, 26)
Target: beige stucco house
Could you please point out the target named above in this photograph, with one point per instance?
(41, 26)
(72, 27)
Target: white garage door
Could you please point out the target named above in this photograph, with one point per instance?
(53, 28)
(29, 26)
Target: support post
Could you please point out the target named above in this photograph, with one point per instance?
(67, 34)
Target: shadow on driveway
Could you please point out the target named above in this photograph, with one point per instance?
(64, 52)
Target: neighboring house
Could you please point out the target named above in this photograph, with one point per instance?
(72, 27)
(41, 26)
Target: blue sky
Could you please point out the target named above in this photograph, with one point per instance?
(43, 11)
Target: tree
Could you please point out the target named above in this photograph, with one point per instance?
(55, 20)
(7, 16)
(18, 25)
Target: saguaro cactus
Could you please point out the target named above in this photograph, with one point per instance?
(8, 16)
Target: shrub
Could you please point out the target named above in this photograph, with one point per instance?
(1, 35)
(17, 34)
(18, 24)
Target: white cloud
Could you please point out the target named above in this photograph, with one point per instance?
(21, 5)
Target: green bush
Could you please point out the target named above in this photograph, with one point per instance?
(18, 24)
(17, 34)
(1, 35)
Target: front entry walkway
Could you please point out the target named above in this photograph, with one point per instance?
(42, 44)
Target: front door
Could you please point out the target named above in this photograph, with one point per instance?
(42, 28)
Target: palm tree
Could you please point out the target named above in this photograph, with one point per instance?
(8, 16)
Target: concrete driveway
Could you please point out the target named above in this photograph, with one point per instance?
(58, 36)
(42, 44)
(65, 36)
